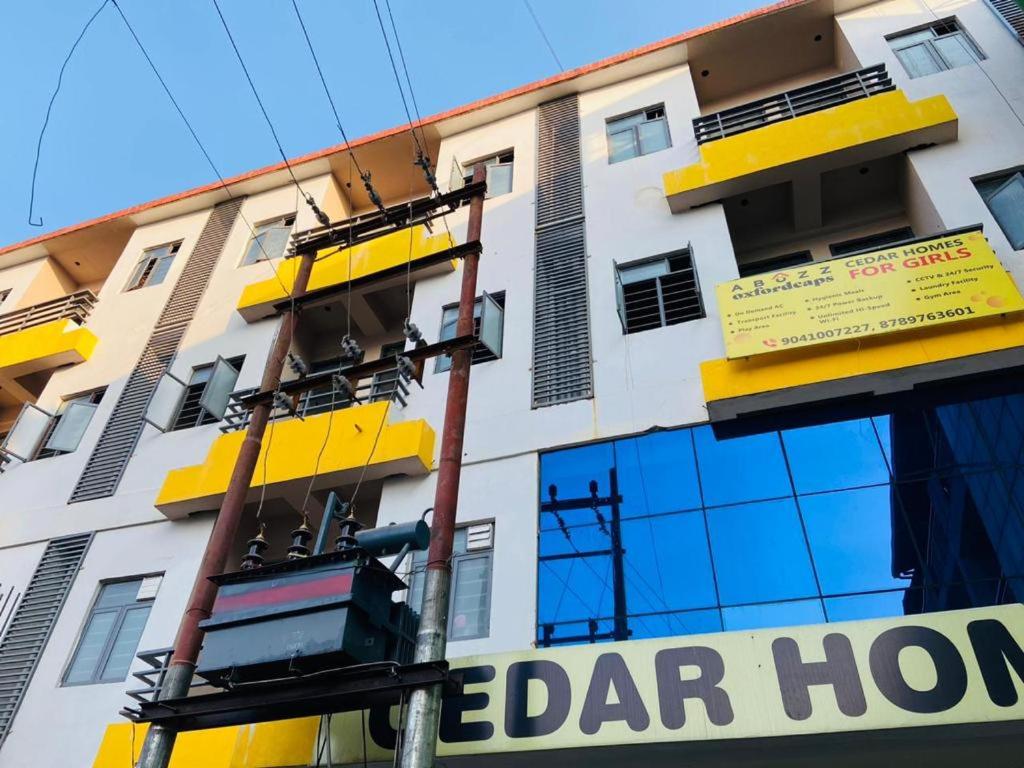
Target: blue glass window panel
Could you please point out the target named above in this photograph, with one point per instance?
(657, 473)
(582, 538)
(883, 431)
(741, 469)
(667, 567)
(573, 590)
(876, 605)
(962, 435)
(828, 457)
(759, 553)
(673, 624)
(580, 630)
(571, 472)
(851, 534)
(791, 614)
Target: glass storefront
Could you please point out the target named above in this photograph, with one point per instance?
(910, 511)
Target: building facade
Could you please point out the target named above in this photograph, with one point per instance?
(813, 553)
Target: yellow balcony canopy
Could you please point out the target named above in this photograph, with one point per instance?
(404, 448)
(387, 258)
(40, 349)
(854, 132)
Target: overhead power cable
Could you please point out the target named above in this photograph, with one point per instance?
(49, 109)
(540, 29)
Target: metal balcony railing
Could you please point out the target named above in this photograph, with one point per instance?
(75, 306)
(800, 101)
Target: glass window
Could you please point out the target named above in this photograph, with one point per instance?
(871, 242)
(67, 427)
(935, 48)
(449, 321)
(658, 292)
(192, 412)
(911, 510)
(153, 266)
(470, 609)
(111, 635)
(499, 173)
(639, 133)
(1004, 196)
(270, 240)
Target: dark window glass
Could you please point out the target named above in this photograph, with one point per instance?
(191, 414)
(871, 242)
(449, 321)
(654, 293)
(153, 266)
(908, 511)
(775, 264)
(1004, 196)
(81, 409)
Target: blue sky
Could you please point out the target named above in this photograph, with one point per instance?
(115, 141)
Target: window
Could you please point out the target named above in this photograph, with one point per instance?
(324, 398)
(66, 428)
(270, 241)
(775, 263)
(153, 266)
(499, 173)
(1004, 196)
(657, 292)
(450, 318)
(384, 383)
(111, 636)
(192, 413)
(909, 510)
(934, 48)
(469, 615)
(639, 133)
(871, 242)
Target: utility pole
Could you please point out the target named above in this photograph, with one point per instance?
(613, 529)
(159, 743)
(420, 743)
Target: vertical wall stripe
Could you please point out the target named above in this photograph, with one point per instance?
(106, 464)
(562, 363)
(33, 621)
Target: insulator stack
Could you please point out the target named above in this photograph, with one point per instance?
(300, 541)
(257, 546)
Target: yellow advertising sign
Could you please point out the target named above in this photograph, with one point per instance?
(928, 283)
(937, 669)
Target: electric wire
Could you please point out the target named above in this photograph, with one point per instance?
(398, 80)
(405, 69)
(551, 48)
(49, 109)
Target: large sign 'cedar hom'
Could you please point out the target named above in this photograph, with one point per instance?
(945, 280)
(936, 669)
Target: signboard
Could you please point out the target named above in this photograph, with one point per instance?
(928, 283)
(935, 669)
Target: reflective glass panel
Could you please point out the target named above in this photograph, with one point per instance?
(742, 469)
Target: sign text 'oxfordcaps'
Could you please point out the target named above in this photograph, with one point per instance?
(945, 280)
(936, 669)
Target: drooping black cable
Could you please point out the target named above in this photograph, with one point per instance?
(540, 29)
(256, 94)
(49, 109)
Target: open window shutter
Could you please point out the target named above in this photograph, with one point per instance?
(620, 296)
(456, 179)
(217, 394)
(23, 440)
(74, 420)
(492, 324)
(165, 402)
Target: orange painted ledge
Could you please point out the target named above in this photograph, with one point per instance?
(724, 379)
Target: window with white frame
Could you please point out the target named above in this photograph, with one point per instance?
(153, 266)
(110, 638)
(638, 133)
(657, 292)
(191, 413)
(67, 427)
(482, 353)
(469, 612)
(1004, 196)
(499, 172)
(934, 48)
(270, 240)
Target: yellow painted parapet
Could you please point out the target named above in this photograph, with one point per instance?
(853, 132)
(44, 347)
(336, 268)
(404, 448)
(267, 745)
(724, 379)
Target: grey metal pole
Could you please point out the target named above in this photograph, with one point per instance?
(424, 711)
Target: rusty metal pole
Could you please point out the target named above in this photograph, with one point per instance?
(419, 743)
(159, 743)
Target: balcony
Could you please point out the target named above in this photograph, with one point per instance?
(383, 261)
(854, 118)
(39, 338)
(358, 436)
